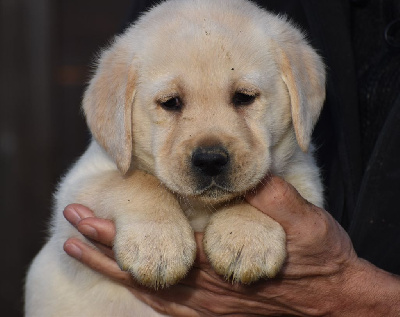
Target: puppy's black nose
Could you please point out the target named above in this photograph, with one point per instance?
(210, 161)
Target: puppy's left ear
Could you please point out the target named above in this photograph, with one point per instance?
(303, 72)
(108, 103)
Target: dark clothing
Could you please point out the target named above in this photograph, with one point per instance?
(359, 131)
(358, 134)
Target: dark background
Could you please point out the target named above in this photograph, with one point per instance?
(46, 49)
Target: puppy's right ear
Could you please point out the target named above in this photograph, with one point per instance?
(108, 100)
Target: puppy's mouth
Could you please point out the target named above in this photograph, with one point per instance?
(215, 191)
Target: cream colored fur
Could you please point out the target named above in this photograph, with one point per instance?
(137, 170)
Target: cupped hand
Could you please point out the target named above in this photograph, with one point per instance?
(322, 274)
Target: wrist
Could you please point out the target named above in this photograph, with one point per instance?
(367, 291)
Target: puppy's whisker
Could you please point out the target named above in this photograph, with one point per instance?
(211, 208)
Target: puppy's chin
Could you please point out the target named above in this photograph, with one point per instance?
(215, 195)
(211, 191)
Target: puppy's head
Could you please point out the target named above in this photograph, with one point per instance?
(207, 95)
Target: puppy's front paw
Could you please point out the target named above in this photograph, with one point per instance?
(157, 255)
(243, 245)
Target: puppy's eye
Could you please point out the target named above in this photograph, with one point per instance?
(172, 104)
(243, 99)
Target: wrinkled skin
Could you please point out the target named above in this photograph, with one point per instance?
(322, 275)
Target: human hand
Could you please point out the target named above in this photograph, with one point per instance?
(322, 274)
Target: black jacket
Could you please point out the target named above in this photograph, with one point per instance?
(362, 180)
(361, 186)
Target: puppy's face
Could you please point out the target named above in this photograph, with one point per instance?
(210, 109)
(206, 100)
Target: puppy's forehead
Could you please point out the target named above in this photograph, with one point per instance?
(206, 37)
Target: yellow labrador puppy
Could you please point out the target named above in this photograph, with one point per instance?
(189, 109)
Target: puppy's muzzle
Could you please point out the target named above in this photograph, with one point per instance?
(210, 161)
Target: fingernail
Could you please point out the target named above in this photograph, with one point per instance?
(88, 231)
(73, 250)
(72, 216)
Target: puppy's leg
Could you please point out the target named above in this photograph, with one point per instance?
(154, 239)
(244, 244)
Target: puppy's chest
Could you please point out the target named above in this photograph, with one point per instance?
(197, 213)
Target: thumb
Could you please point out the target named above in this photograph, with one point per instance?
(282, 202)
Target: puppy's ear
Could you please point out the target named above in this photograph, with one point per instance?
(108, 103)
(303, 72)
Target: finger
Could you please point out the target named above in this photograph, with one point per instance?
(281, 201)
(98, 230)
(96, 260)
(74, 213)
(104, 249)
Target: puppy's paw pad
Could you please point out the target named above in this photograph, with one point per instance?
(156, 257)
(246, 254)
